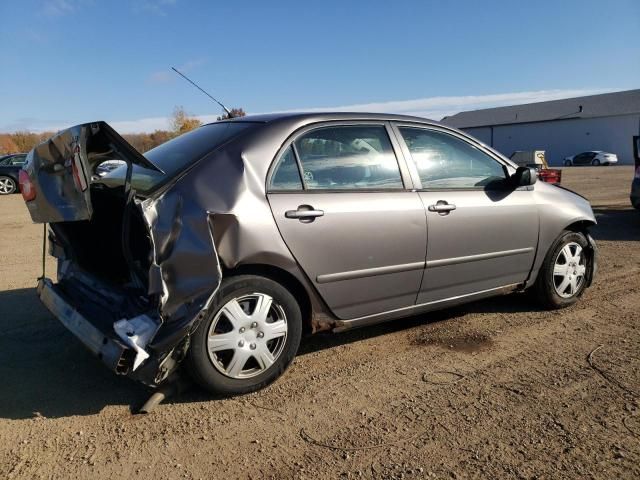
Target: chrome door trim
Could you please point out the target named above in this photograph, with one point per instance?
(441, 207)
(302, 214)
(369, 272)
(478, 257)
(344, 325)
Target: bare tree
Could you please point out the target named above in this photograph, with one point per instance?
(235, 112)
(7, 145)
(182, 122)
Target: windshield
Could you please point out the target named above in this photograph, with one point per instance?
(175, 155)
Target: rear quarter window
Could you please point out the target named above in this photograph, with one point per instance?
(178, 154)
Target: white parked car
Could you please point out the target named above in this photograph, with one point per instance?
(595, 158)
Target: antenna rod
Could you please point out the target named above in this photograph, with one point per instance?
(194, 84)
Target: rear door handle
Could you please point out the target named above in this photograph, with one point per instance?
(304, 213)
(442, 207)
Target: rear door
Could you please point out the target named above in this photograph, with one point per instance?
(480, 235)
(345, 208)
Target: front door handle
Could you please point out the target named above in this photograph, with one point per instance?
(442, 207)
(304, 213)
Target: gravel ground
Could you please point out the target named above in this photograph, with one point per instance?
(494, 389)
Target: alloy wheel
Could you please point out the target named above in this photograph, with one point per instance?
(247, 335)
(7, 186)
(569, 270)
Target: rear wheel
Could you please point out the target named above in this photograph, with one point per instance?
(595, 162)
(567, 163)
(7, 185)
(249, 339)
(563, 275)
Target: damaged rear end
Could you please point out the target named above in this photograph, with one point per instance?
(137, 265)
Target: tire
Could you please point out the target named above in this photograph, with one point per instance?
(567, 163)
(549, 284)
(248, 336)
(7, 185)
(595, 162)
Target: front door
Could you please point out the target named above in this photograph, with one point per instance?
(480, 234)
(339, 199)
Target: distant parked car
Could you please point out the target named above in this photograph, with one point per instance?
(10, 165)
(635, 189)
(635, 184)
(106, 167)
(594, 158)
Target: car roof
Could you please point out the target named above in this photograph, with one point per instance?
(312, 117)
(261, 144)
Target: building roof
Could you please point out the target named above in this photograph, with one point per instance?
(603, 105)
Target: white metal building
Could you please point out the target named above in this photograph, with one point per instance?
(560, 127)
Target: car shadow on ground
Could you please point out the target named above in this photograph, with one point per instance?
(47, 372)
(513, 303)
(616, 223)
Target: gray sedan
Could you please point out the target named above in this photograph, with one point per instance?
(216, 251)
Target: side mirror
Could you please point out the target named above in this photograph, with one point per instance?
(524, 177)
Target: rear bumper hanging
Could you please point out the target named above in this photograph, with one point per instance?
(113, 353)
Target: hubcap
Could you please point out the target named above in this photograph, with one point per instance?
(569, 270)
(7, 186)
(247, 336)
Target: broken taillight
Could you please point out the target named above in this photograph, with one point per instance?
(27, 188)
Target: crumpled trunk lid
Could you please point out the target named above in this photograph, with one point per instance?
(61, 168)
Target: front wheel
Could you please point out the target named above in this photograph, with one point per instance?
(595, 162)
(563, 275)
(249, 339)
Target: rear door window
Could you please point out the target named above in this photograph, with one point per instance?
(349, 157)
(286, 175)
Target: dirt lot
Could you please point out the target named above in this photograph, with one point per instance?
(494, 389)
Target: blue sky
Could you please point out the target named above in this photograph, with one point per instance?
(72, 61)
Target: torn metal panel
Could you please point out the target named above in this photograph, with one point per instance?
(185, 263)
(136, 333)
